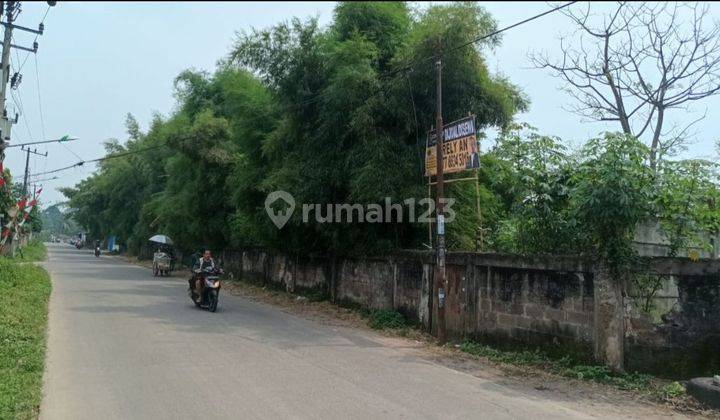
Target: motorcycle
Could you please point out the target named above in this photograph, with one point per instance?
(97, 252)
(210, 278)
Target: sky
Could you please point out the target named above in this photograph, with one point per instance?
(98, 61)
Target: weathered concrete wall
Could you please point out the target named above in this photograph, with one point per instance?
(368, 282)
(401, 284)
(685, 340)
(508, 306)
(563, 303)
(291, 273)
(651, 241)
(547, 301)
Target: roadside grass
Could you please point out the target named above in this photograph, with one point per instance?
(644, 386)
(24, 294)
(34, 251)
(568, 367)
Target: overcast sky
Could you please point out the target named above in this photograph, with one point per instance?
(99, 61)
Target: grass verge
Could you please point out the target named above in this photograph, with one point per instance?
(24, 294)
(564, 366)
(34, 251)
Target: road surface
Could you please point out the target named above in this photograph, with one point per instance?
(125, 345)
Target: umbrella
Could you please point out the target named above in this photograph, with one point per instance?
(161, 239)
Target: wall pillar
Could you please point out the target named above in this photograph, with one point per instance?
(609, 320)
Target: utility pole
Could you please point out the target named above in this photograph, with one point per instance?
(12, 9)
(27, 167)
(440, 276)
(5, 63)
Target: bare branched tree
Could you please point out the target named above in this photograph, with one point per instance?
(636, 63)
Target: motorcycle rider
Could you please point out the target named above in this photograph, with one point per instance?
(204, 262)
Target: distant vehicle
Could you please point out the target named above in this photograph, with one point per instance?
(163, 257)
(97, 251)
(162, 264)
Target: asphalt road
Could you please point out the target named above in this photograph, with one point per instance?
(125, 345)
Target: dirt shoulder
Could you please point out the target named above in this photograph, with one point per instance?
(596, 399)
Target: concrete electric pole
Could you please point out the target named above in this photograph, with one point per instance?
(5, 124)
(27, 168)
(440, 276)
(11, 9)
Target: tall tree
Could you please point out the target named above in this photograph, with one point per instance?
(637, 63)
(355, 112)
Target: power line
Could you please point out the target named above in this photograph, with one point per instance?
(19, 104)
(17, 100)
(417, 61)
(37, 79)
(515, 25)
(113, 156)
(12, 10)
(42, 121)
(42, 22)
(58, 170)
(40, 108)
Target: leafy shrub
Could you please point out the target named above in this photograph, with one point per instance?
(386, 318)
(673, 390)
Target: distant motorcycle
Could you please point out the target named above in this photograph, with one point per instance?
(210, 278)
(97, 251)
